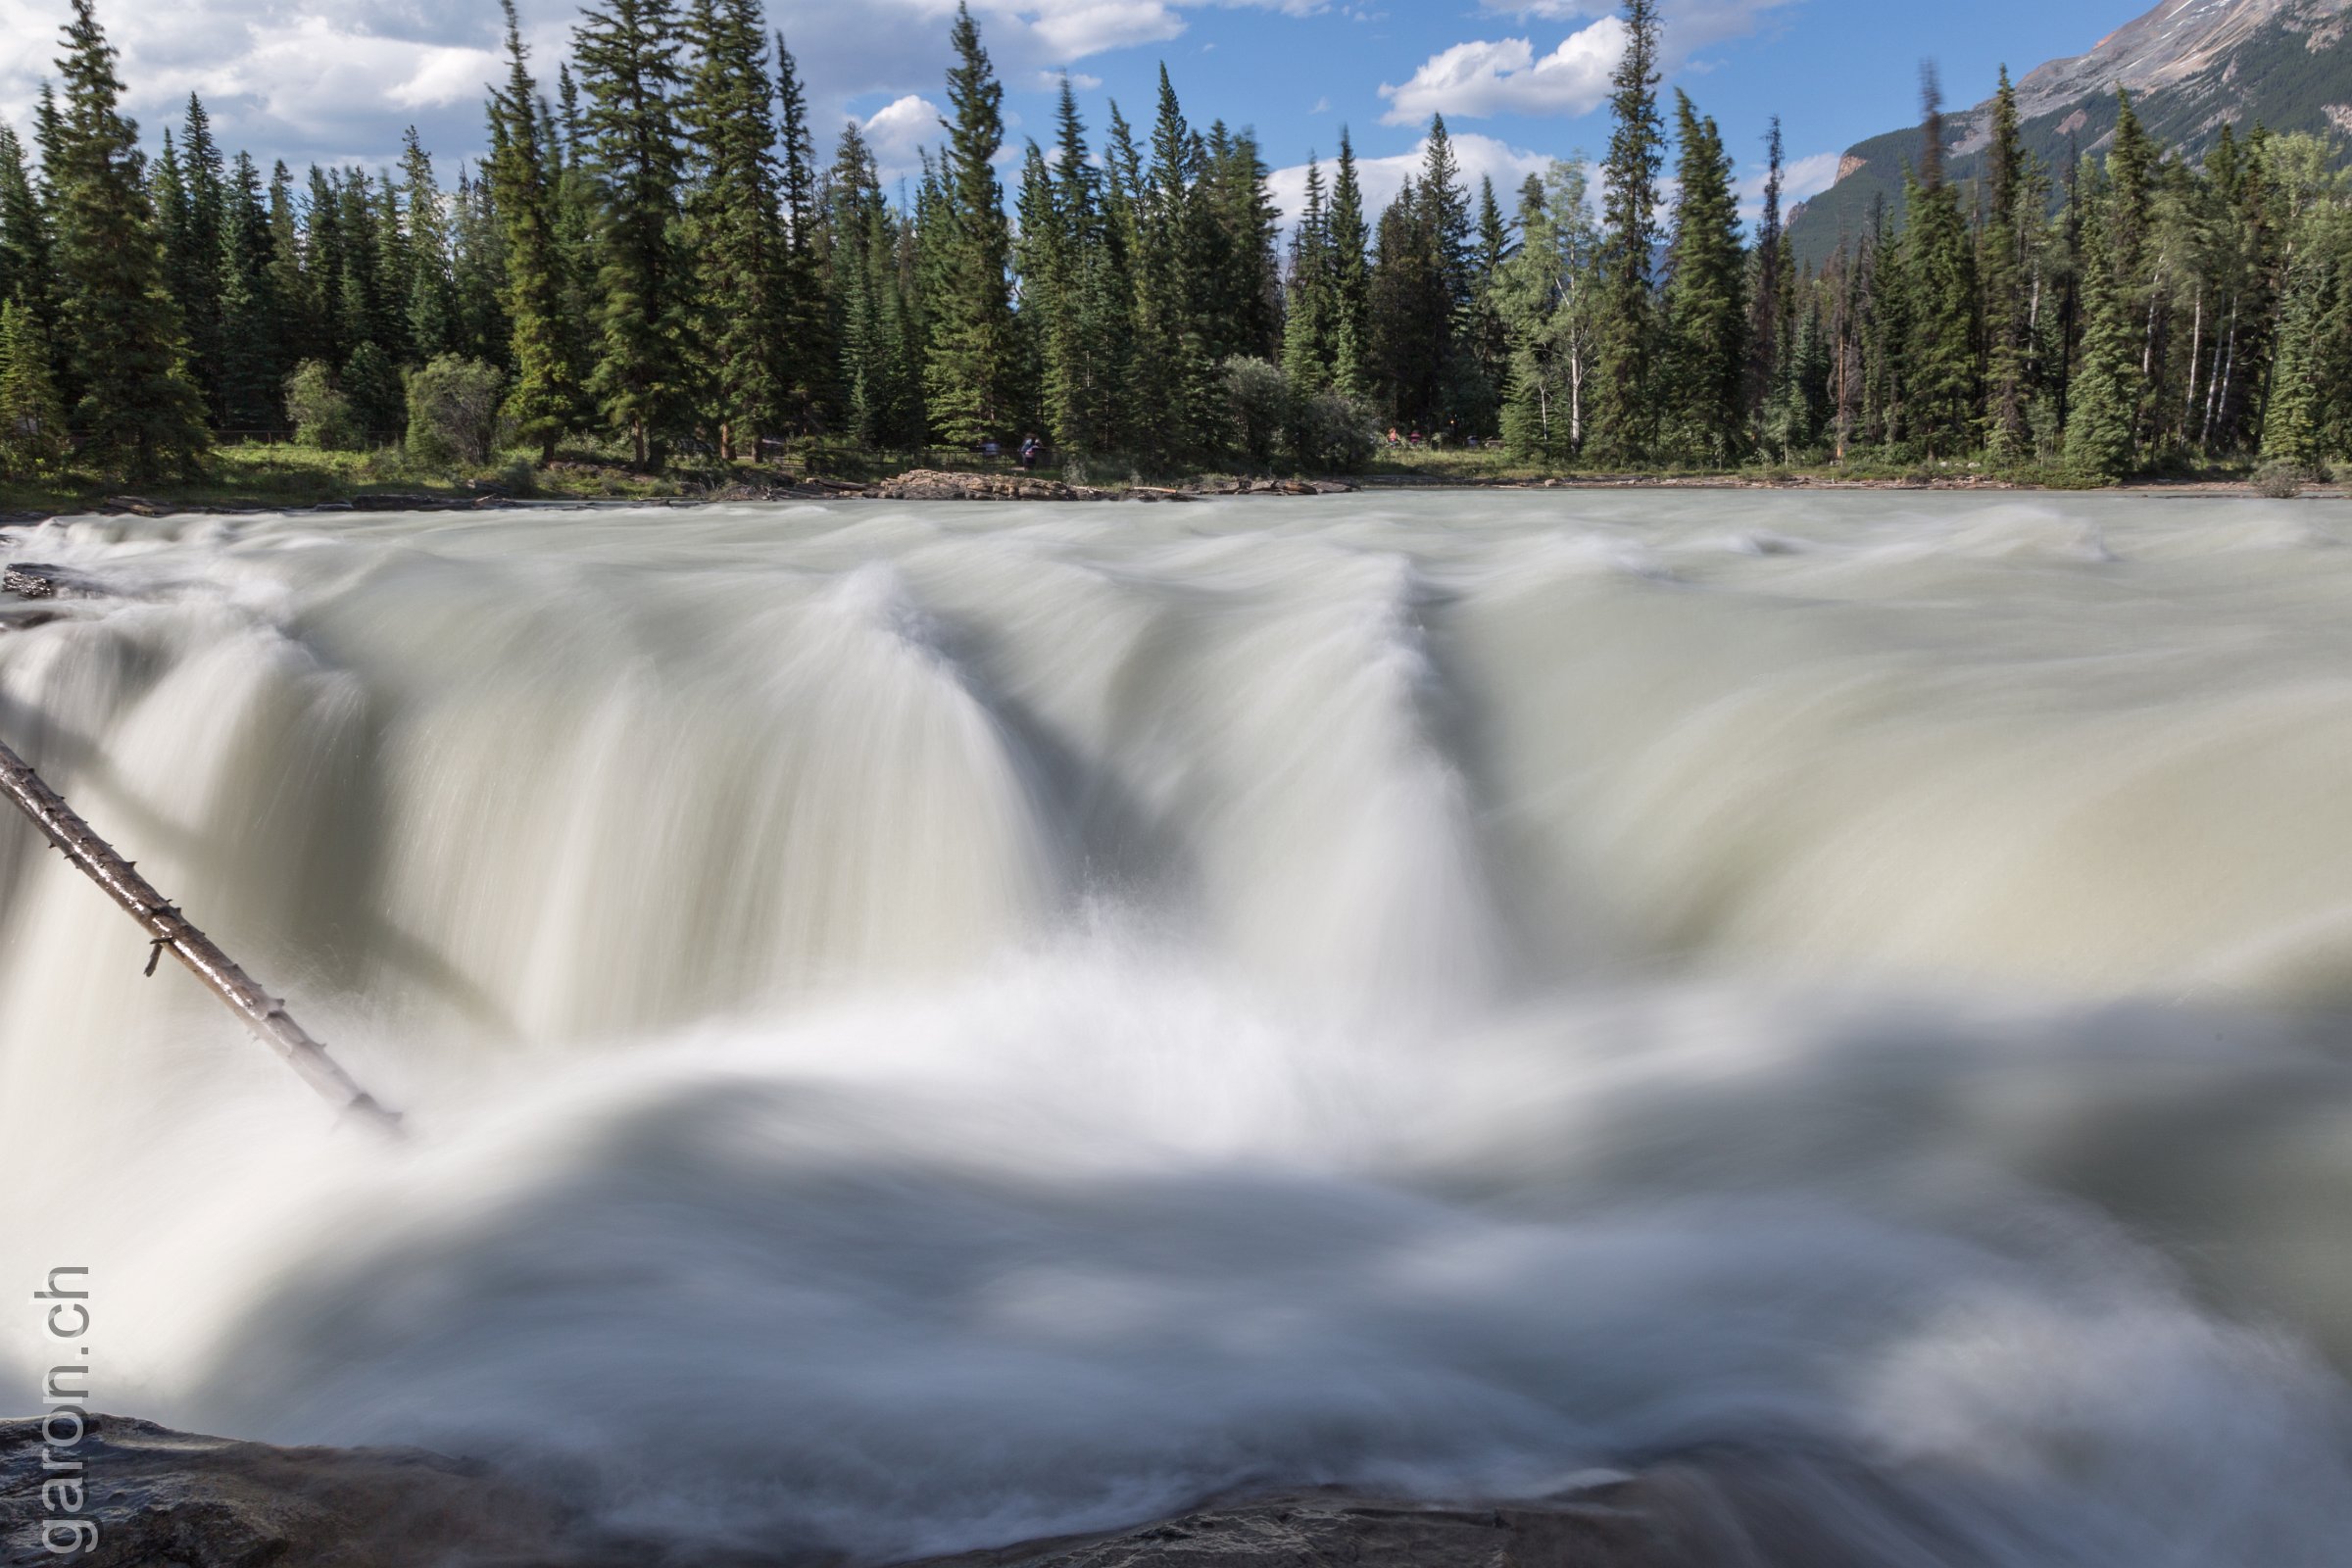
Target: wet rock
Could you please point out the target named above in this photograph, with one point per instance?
(932, 484)
(161, 1498)
(1606, 1528)
(33, 579)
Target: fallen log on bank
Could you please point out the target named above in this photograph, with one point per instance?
(169, 931)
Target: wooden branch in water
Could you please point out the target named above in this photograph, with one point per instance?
(170, 931)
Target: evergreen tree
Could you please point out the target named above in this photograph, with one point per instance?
(26, 269)
(254, 363)
(2002, 249)
(1940, 370)
(1623, 415)
(199, 251)
(736, 230)
(543, 398)
(1770, 302)
(2100, 402)
(641, 365)
(812, 359)
(137, 412)
(32, 417)
(968, 376)
(1705, 370)
(431, 284)
(1351, 282)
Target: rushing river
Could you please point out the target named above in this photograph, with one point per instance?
(931, 1026)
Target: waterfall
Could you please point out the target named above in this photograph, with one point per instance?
(928, 1027)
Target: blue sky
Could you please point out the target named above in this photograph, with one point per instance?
(1517, 79)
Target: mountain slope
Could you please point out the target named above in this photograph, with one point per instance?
(2191, 66)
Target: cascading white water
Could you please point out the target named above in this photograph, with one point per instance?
(929, 1027)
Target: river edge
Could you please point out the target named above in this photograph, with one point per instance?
(156, 1496)
(1003, 489)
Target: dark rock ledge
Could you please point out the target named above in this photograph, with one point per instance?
(166, 1499)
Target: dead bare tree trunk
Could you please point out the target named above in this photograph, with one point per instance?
(172, 932)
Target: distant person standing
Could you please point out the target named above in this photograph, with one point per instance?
(1032, 450)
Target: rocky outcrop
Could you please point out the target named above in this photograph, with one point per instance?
(1606, 1528)
(164, 1499)
(33, 579)
(933, 485)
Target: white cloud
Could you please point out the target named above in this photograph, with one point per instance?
(1485, 77)
(336, 80)
(1689, 24)
(1479, 157)
(1480, 79)
(899, 130)
(1802, 179)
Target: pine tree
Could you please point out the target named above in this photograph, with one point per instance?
(200, 251)
(431, 291)
(1766, 348)
(1176, 392)
(1704, 413)
(139, 413)
(2100, 402)
(1624, 418)
(967, 375)
(253, 364)
(812, 359)
(641, 364)
(1351, 282)
(544, 395)
(1307, 319)
(32, 419)
(26, 269)
(1940, 395)
(735, 224)
(2002, 270)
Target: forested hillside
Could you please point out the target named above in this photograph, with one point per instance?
(656, 258)
(2191, 67)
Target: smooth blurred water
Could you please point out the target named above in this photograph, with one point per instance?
(930, 1026)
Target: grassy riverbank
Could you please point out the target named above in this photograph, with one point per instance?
(273, 477)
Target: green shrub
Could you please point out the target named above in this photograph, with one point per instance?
(1258, 402)
(453, 411)
(2281, 481)
(1337, 433)
(322, 415)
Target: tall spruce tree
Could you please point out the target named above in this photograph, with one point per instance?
(2002, 271)
(26, 267)
(1771, 298)
(1705, 362)
(736, 234)
(254, 363)
(970, 369)
(544, 392)
(813, 360)
(1623, 411)
(1940, 395)
(137, 410)
(641, 364)
(1351, 282)
(32, 417)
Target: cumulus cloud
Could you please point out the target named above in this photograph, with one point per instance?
(1485, 77)
(1479, 80)
(336, 80)
(1689, 24)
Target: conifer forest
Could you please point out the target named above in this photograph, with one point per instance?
(656, 258)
